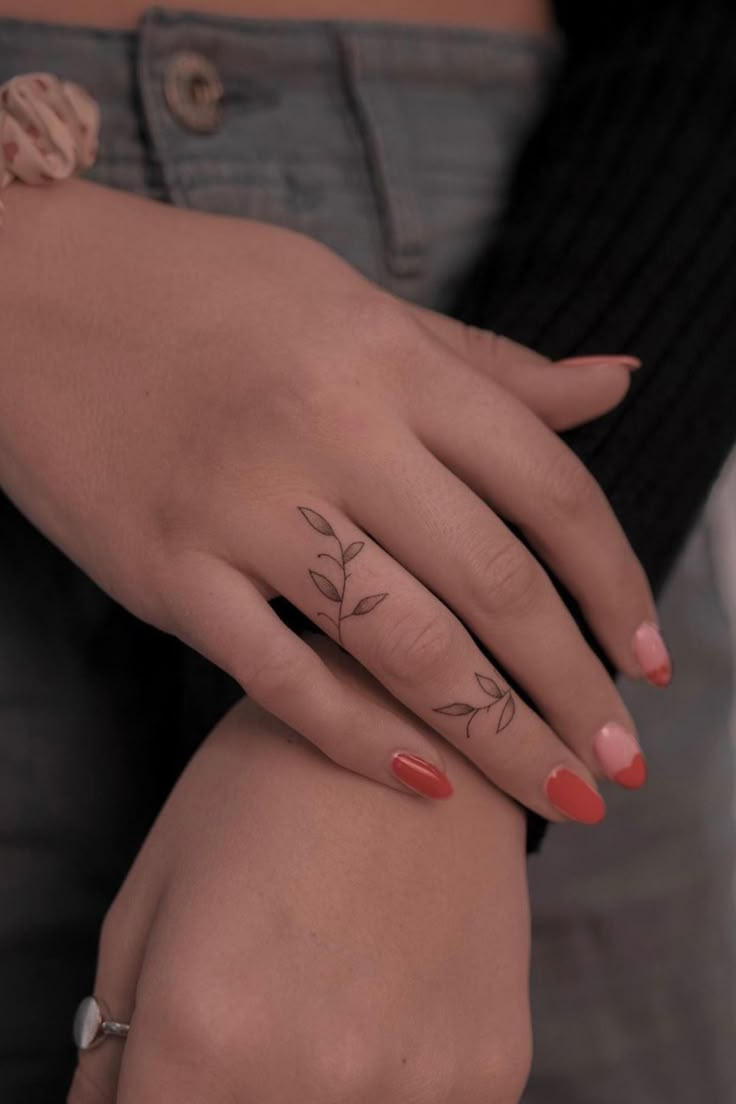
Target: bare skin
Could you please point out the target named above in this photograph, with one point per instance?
(183, 487)
(450, 951)
(528, 15)
(293, 933)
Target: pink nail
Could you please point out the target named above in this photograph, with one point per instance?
(652, 655)
(605, 361)
(620, 756)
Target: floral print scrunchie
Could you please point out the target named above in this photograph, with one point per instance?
(49, 129)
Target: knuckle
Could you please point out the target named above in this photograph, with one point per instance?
(506, 580)
(275, 678)
(416, 648)
(384, 326)
(570, 490)
(203, 1030)
(483, 346)
(197, 1037)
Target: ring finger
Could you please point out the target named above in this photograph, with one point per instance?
(414, 645)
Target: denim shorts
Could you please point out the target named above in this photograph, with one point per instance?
(393, 145)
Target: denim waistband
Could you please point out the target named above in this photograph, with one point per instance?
(308, 110)
(419, 40)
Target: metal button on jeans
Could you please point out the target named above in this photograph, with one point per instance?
(194, 91)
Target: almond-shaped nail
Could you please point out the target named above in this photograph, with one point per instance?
(421, 776)
(652, 655)
(620, 756)
(630, 362)
(572, 795)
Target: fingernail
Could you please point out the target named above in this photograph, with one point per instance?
(632, 363)
(572, 795)
(421, 776)
(652, 655)
(620, 756)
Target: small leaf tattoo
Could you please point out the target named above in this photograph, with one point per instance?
(457, 709)
(507, 714)
(352, 551)
(326, 585)
(365, 605)
(336, 591)
(318, 522)
(490, 687)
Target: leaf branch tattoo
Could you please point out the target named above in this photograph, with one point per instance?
(325, 585)
(490, 687)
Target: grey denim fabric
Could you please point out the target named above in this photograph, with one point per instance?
(392, 145)
(634, 933)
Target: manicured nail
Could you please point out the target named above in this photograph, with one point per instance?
(620, 756)
(632, 363)
(420, 775)
(572, 795)
(652, 655)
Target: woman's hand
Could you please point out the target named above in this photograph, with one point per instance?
(207, 412)
(292, 934)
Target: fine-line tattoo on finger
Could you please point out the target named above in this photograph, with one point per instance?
(336, 592)
(490, 687)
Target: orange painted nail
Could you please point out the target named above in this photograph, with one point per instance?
(421, 776)
(572, 795)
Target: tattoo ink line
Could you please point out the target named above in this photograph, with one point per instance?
(490, 687)
(326, 586)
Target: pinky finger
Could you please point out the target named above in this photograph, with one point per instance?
(563, 393)
(221, 613)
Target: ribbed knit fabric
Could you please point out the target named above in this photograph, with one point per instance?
(620, 236)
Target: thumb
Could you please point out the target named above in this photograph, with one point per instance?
(562, 393)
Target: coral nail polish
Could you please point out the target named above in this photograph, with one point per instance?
(592, 361)
(421, 776)
(572, 795)
(652, 655)
(620, 756)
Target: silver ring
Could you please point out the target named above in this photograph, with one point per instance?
(92, 1024)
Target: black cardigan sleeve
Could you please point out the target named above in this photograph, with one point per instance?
(620, 236)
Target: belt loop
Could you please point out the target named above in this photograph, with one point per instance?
(387, 140)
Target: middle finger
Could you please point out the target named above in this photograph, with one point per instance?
(414, 645)
(447, 537)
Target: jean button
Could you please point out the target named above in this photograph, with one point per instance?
(194, 92)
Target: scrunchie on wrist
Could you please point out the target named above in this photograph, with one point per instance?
(49, 129)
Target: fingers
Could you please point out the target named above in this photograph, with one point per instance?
(417, 649)
(443, 534)
(222, 614)
(501, 450)
(120, 955)
(563, 394)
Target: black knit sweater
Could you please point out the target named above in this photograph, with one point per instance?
(620, 236)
